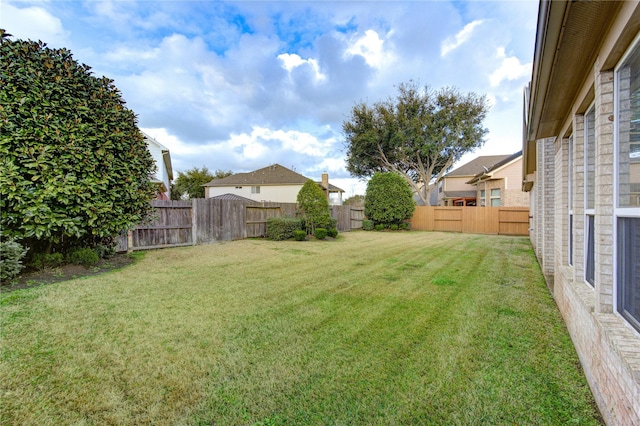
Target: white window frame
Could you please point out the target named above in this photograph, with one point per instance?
(619, 212)
(570, 218)
(589, 212)
(483, 197)
(255, 189)
(491, 197)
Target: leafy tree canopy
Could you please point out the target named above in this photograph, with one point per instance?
(355, 200)
(313, 206)
(419, 134)
(190, 183)
(74, 167)
(389, 199)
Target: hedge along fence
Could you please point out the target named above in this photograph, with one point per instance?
(206, 220)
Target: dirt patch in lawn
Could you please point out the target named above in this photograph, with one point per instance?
(32, 278)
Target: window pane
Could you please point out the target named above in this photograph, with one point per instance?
(589, 273)
(495, 192)
(629, 269)
(629, 132)
(590, 156)
(570, 239)
(570, 174)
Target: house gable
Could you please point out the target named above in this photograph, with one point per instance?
(272, 183)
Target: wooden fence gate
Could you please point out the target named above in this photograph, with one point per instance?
(356, 217)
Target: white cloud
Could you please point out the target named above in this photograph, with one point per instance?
(292, 61)
(456, 41)
(371, 47)
(33, 23)
(509, 69)
(290, 140)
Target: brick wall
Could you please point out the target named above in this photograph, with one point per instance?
(609, 349)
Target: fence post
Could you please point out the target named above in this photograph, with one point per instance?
(194, 221)
(129, 241)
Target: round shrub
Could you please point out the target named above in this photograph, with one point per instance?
(11, 254)
(299, 235)
(393, 227)
(321, 233)
(379, 227)
(389, 199)
(332, 232)
(367, 225)
(83, 256)
(405, 226)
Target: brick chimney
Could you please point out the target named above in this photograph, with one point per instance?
(325, 183)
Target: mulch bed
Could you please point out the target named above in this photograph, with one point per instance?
(33, 278)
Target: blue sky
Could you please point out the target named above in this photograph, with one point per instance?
(242, 85)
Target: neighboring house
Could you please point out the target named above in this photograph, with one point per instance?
(164, 171)
(500, 185)
(273, 183)
(581, 164)
(454, 189)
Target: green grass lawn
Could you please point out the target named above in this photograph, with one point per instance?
(372, 328)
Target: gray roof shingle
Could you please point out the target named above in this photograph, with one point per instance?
(274, 174)
(477, 165)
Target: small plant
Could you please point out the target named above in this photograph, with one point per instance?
(379, 227)
(320, 234)
(47, 260)
(11, 254)
(83, 256)
(332, 232)
(105, 250)
(393, 227)
(405, 226)
(299, 235)
(367, 225)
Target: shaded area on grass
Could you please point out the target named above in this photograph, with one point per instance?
(32, 278)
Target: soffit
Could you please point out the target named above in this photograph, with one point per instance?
(584, 26)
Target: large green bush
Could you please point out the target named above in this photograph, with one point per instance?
(11, 254)
(389, 199)
(282, 228)
(313, 206)
(74, 167)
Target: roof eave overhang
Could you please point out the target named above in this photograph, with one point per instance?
(551, 18)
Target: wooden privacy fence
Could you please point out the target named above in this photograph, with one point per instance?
(472, 220)
(198, 221)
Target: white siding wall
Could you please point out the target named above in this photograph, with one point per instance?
(161, 170)
(272, 193)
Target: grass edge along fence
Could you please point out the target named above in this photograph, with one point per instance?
(206, 220)
(200, 221)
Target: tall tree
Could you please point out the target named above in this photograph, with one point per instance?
(190, 183)
(419, 134)
(74, 167)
